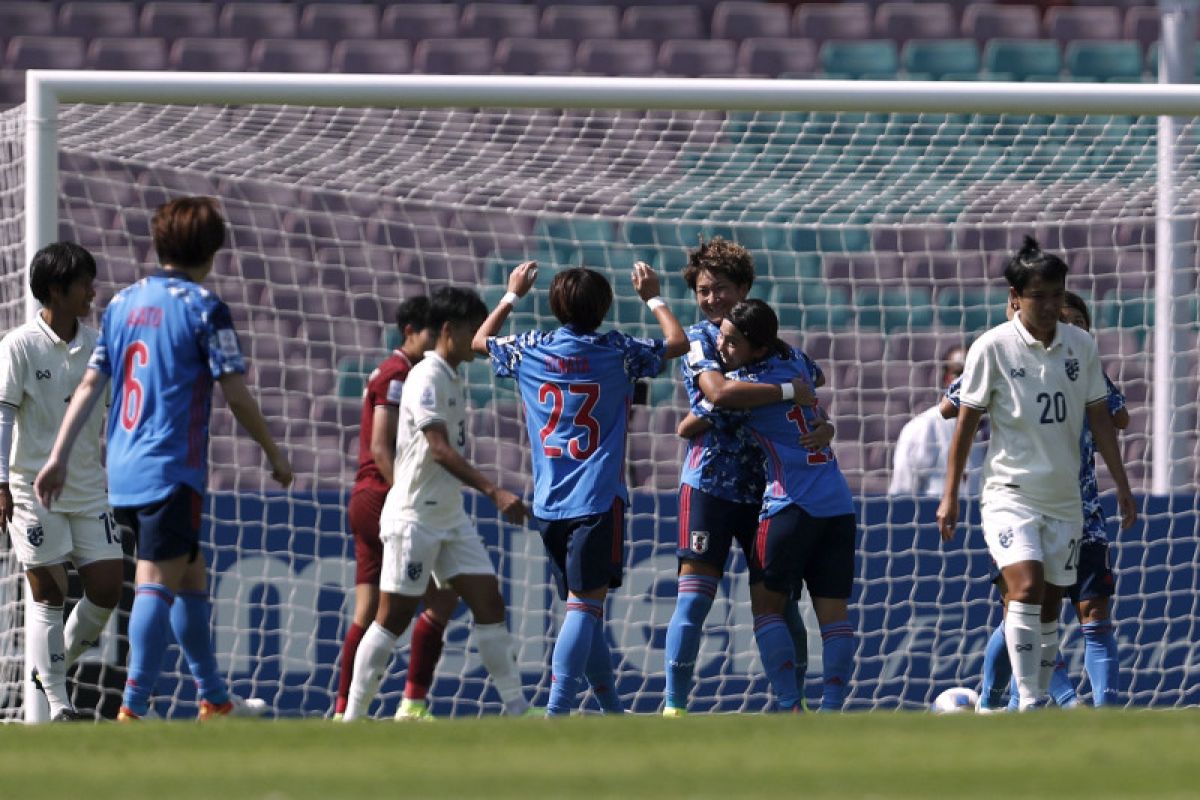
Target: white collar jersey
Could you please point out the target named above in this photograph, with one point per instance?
(424, 491)
(38, 374)
(921, 453)
(1036, 397)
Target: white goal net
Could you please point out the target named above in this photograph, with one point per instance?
(878, 237)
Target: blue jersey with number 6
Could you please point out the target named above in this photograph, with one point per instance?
(796, 475)
(163, 341)
(576, 389)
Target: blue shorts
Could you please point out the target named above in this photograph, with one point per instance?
(708, 526)
(796, 549)
(166, 529)
(1094, 577)
(586, 553)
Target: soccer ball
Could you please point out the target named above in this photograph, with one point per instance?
(954, 701)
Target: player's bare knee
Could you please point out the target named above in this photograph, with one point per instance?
(766, 601)
(440, 604)
(489, 610)
(48, 585)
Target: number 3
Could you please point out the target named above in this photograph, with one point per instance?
(583, 419)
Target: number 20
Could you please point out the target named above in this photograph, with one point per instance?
(583, 419)
(1059, 402)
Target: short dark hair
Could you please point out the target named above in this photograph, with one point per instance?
(759, 323)
(59, 264)
(580, 297)
(188, 231)
(454, 305)
(721, 258)
(413, 311)
(1030, 260)
(1072, 300)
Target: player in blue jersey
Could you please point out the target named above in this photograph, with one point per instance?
(722, 480)
(576, 385)
(806, 532)
(164, 341)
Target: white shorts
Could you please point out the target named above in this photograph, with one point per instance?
(1015, 535)
(413, 552)
(42, 538)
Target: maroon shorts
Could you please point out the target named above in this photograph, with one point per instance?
(364, 510)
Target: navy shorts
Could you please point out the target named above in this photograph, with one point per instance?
(1094, 577)
(708, 526)
(796, 549)
(586, 553)
(166, 529)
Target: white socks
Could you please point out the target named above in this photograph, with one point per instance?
(1023, 634)
(370, 665)
(495, 646)
(47, 654)
(83, 629)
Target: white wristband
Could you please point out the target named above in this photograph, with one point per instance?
(511, 298)
(655, 303)
(789, 391)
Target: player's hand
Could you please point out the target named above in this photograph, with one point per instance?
(804, 395)
(522, 278)
(6, 508)
(281, 471)
(48, 484)
(947, 517)
(645, 281)
(819, 437)
(1128, 508)
(511, 507)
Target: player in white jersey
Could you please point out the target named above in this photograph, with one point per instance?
(424, 528)
(41, 364)
(1037, 379)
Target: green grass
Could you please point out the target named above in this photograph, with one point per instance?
(1085, 753)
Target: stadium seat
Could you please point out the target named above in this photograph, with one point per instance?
(773, 58)
(453, 56)
(1141, 24)
(580, 22)
(259, 20)
(372, 56)
(171, 20)
(900, 21)
(894, 308)
(1023, 59)
(497, 21)
(659, 23)
(693, 58)
(27, 18)
(97, 19)
(418, 21)
(823, 21)
(617, 57)
(971, 308)
(983, 21)
(1104, 61)
(1066, 23)
(535, 56)
(1152, 60)
(45, 52)
(741, 19)
(940, 58)
(856, 59)
(12, 88)
(143, 53)
(335, 21)
(290, 55)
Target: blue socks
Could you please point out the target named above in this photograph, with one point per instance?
(190, 621)
(838, 654)
(997, 670)
(778, 656)
(600, 674)
(799, 634)
(149, 634)
(695, 598)
(571, 651)
(1061, 689)
(1101, 661)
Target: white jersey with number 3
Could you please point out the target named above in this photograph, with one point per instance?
(1036, 397)
(424, 491)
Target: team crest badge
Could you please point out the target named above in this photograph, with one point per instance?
(36, 535)
(428, 399)
(1006, 538)
(1072, 368)
(699, 541)
(414, 570)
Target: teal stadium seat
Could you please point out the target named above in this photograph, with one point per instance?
(895, 308)
(971, 308)
(663, 233)
(941, 58)
(352, 373)
(1105, 61)
(1023, 59)
(561, 236)
(860, 59)
(1152, 60)
(810, 306)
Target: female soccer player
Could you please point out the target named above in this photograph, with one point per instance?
(1038, 379)
(576, 385)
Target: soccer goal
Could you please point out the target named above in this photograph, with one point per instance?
(879, 214)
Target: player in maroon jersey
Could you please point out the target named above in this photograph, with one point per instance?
(376, 453)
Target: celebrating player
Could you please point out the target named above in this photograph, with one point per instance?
(722, 482)
(41, 364)
(1038, 379)
(576, 385)
(805, 535)
(424, 527)
(376, 454)
(163, 341)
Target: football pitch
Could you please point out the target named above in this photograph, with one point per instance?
(1083, 753)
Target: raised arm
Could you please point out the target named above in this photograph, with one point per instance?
(960, 449)
(645, 283)
(440, 449)
(246, 412)
(1105, 436)
(520, 281)
(50, 480)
